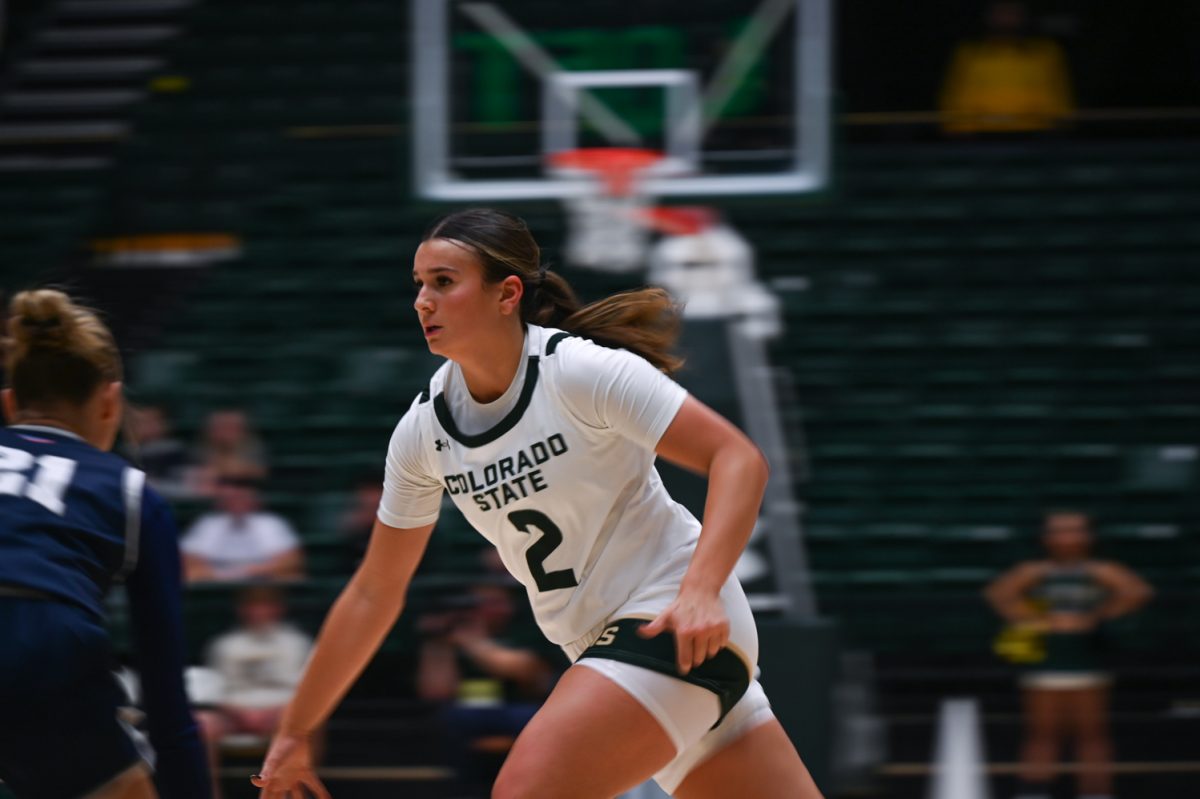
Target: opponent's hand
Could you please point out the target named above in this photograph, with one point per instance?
(700, 625)
(287, 771)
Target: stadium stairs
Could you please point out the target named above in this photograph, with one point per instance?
(78, 69)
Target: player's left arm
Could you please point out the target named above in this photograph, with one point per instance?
(1127, 591)
(155, 604)
(618, 391)
(701, 440)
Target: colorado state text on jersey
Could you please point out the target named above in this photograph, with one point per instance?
(510, 478)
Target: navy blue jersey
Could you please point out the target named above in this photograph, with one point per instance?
(74, 520)
(70, 515)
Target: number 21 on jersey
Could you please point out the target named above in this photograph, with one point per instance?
(46, 488)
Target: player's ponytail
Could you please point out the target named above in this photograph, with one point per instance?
(56, 351)
(643, 321)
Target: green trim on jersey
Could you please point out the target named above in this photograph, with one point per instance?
(552, 344)
(725, 675)
(442, 409)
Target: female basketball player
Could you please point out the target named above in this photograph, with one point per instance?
(1065, 598)
(73, 520)
(543, 427)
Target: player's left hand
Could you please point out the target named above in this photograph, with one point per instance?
(700, 625)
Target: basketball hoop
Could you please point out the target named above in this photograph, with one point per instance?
(606, 226)
(617, 167)
(679, 220)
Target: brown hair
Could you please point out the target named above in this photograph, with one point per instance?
(643, 321)
(56, 351)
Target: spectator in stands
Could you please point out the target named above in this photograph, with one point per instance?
(229, 449)
(491, 671)
(358, 520)
(1008, 81)
(1061, 601)
(152, 447)
(259, 664)
(239, 541)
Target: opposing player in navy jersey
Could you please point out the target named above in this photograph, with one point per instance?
(74, 519)
(542, 427)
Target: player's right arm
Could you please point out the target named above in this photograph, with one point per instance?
(365, 611)
(1007, 593)
(356, 626)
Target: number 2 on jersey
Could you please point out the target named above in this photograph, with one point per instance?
(53, 476)
(527, 521)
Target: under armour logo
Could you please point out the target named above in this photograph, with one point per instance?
(441, 444)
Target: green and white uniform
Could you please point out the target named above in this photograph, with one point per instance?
(558, 474)
(1073, 660)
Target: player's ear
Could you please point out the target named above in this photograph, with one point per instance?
(9, 401)
(511, 292)
(111, 401)
(110, 406)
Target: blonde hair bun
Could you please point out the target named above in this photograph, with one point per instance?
(41, 318)
(57, 351)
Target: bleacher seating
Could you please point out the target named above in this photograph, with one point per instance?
(975, 332)
(984, 332)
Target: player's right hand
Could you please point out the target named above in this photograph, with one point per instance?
(287, 770)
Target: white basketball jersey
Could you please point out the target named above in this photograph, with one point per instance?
(563, 485)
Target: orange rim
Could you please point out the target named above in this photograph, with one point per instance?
(616, 166)
(679, 220)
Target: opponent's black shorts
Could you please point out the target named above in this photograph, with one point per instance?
(60, 737)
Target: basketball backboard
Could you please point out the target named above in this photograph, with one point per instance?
(736, 95)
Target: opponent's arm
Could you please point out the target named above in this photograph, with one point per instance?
(155, 604)
(701, 440)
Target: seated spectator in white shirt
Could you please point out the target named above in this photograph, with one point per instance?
(240, 541)
(259, 664)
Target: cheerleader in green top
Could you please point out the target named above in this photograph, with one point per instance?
(1061, 601)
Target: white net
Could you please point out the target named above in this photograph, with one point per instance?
(605, 227)
(604, 231)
